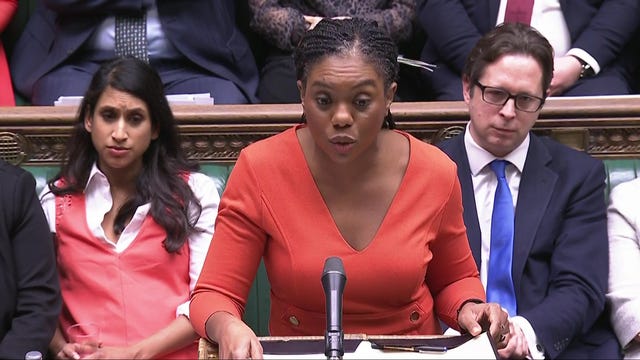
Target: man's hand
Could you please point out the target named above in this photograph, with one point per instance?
(517, 347)
(565, 73)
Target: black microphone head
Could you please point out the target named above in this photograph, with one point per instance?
(333, 265)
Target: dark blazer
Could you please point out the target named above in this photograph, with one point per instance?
(204, 31)
(560, 262)
(29, 292)
(603, 28)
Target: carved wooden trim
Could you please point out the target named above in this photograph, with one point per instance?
(606, 127)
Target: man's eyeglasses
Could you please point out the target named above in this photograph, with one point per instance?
(498, 96)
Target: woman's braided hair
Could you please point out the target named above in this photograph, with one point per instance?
(341, 37)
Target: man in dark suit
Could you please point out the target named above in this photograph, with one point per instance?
(558, 265)
(196, 47)
(594, 42)
(29, 292)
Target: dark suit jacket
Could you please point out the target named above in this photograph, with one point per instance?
(560, 261)
(29, 291)
(204, 31)
(603, 28)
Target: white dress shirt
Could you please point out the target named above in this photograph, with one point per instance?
(98, 202)
(484, 188)
(548, 19)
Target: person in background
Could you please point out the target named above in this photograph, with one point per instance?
(534, 209)
(30, 300)
(196, 48)
(283, 23)
(344, 183)
(595, 42)
(624, 265)
(7, 10)
(146, 220)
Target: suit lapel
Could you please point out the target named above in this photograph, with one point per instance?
(536, 187)
(459, 155)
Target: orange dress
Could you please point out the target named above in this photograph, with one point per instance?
(7, 9)
(418, 264)
(130, 295)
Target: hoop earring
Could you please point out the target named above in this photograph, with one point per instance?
(388, 120)
(303, 118)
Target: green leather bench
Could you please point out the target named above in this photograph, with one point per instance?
(257, 310)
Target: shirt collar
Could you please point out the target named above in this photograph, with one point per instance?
(479, 157)
(95, 176)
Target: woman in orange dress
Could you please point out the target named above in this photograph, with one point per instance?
(344, 183)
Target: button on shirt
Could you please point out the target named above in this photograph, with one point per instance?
(484, 188)
(98, 202)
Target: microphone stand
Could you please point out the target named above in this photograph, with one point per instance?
(333, 280)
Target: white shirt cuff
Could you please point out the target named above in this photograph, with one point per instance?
(584, 56)
(183, 309)
(535, 349)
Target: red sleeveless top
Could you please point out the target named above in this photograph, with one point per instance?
(131, 294)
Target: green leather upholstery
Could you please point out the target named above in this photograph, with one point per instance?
(621, 170)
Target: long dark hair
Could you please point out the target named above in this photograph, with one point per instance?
(162, 180)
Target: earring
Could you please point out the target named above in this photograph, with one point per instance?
(303, 118)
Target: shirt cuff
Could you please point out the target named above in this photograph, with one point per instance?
(183, 309)
(536, 350)
(584, 56)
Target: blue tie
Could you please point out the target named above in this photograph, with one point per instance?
(499, 283)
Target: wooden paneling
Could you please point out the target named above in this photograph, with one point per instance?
(606, 127)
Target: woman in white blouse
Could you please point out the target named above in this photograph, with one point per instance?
(132, 221)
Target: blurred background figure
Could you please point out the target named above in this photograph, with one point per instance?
(195, 47)
(282, 23)
(595, 42)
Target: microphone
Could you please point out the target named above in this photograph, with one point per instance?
(333, 280)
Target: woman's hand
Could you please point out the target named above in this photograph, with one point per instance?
(77, 351)
(69, 351)
(474, 317)
(114, 352)
(235, 339)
